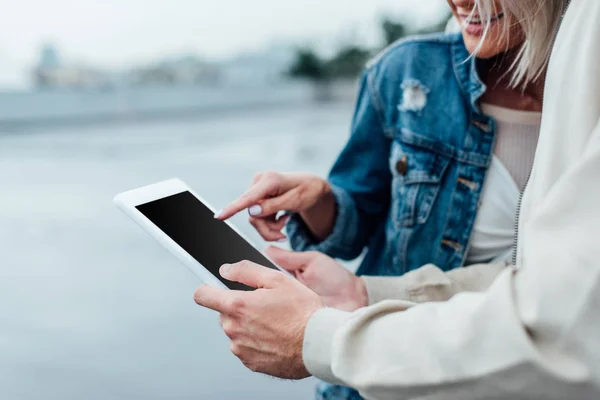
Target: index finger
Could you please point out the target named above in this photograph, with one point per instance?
(255, 194)
(213, 298)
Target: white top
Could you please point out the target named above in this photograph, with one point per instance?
(516, 141)
(533, 334)
(492, 239)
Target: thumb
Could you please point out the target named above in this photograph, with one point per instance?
(291, 261)
(251, 274)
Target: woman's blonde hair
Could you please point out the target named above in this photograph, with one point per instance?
(539, 20)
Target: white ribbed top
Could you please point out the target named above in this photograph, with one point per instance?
(517, 136)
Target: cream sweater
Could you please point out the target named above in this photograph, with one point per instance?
(535, 332)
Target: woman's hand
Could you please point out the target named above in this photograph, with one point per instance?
(273, 192)
(337, 287)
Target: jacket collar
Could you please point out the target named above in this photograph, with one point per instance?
(465, 67)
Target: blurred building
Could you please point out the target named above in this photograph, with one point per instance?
(259, 68)
(183, 70)
(49, 57)
(249, 69)
(52, 72)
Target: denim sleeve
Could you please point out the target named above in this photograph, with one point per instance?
(360, 179)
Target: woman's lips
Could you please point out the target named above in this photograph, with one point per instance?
(475, 26)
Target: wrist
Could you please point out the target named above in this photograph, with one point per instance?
(320, 214)
(326, 188)
(324, 193)
(360, 294)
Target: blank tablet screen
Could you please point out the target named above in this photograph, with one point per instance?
(211, 242)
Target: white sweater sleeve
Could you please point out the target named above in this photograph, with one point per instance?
(532, 335)
(430, 283)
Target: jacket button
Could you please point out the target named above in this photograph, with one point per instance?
(402, 166)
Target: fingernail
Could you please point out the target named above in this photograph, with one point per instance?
(225, 269)
(218, 214)
(255, 210)
(282, 240)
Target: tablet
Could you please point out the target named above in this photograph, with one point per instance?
(184, 223)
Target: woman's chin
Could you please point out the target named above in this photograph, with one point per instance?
(485, 52)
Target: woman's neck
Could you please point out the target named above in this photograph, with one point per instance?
(499, 93)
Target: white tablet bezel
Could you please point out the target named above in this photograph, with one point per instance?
(128, 201)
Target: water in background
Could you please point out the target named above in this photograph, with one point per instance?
(92, 307)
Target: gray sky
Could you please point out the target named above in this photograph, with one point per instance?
(116, 33)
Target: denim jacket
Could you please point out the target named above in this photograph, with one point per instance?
(409, 181)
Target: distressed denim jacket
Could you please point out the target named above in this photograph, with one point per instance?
(409, 181)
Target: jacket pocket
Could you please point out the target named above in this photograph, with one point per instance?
(417, 177)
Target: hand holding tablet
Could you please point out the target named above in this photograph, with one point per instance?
(265, 326)
(184, 223)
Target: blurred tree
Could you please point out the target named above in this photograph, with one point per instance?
(308, 65)
(348, 62)
(393, 30)
(351, 58)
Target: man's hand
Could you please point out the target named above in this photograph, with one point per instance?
(266, 326)
(337, 286)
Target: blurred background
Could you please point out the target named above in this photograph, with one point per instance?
(98, 97)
